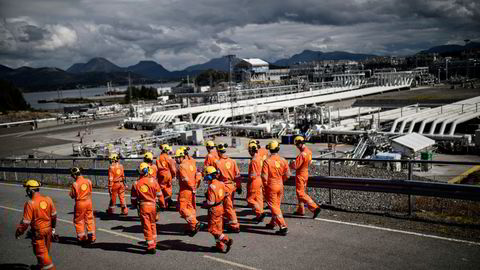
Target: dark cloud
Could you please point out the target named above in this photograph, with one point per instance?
(180, 33)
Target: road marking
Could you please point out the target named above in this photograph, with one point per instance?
(400, 231)
(139, 239)
(458, 179)
(230, 263)
(97, 229)
(61, 189)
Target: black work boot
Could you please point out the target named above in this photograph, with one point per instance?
(229, 245)
(316, 212)
(260, 218)
(282, 231)
(270, 226)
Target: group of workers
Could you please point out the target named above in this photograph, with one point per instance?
(152, 193)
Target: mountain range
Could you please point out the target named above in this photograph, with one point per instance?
(99, 70)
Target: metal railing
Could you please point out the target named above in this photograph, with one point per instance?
(50, 166)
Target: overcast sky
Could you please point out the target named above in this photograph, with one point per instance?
(179, 33)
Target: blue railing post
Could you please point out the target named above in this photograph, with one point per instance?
(411, 198)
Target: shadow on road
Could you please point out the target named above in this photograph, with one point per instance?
(256, 229)
(68, 241)
(182, 246)
(171, 229)
(102, 215)
(16, 266)
(123, 247)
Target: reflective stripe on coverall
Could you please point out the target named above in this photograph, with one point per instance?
(116, 186)
(274, 172)
(146, 193)
(81, 191)
(40, 214)
(230, 175)
(215, 196)
(301, 166)
(254, 185)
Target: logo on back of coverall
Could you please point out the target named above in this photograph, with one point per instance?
(191, 168)
(118, 171)
(84, 187)
(277, 164)
(220, 193)
(228, 165)
(144, 188)
(43, 205)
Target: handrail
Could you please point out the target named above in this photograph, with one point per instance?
(408, 187)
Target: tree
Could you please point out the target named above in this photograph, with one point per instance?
(211, 77)
(11, 98)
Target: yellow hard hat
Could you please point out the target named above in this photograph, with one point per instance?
(31, 184)
(165, 147)
(113, 157)
(222, 148)
(179, 152)
(144, 168)
(252, 146)
(298, 139)
(210, 170)
(273, 145)
(184, 148)
(75, 171)
(148, 156)
(209, 144)
(253, 141)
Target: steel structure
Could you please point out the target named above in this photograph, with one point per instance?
(220, 117)
(441, 120)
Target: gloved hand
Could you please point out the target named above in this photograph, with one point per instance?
(18, 234)
(239, 190)
(55, 237)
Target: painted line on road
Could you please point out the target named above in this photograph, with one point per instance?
(230, 263)
(140, 240)
(400, 231)
(60, 189)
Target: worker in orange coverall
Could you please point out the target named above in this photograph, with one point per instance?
(198, 174)
(81, 192)
(229, 174)
(188, 187)
(116, 185)
(254, 184)
(215, 197)
(210, 159)
(147, 196)
(301, 166)
(166, 172)
(148, 158)
(275, 171)
(39, 213)
(261, 152)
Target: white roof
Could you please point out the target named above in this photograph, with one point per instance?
(255, 61)
(414, 141)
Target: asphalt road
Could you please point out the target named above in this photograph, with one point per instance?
(310, 244)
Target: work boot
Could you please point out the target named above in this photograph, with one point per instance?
(282, 231)
(197, 228)
(151, 251)
(316, 212)
(260, 218)
(270, 226)
(229, 245)
(170, 203)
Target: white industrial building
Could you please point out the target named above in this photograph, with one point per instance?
(252, 70)
(411, 144)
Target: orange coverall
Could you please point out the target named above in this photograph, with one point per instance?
(274, 172)
(165, 174)
(116, 186)
(146, 193)
(188, 186)
(211, 158)
(215, 197)
(230, 175)
(41, 215)
(301, 166)
(254, 185)
(263, 154)
(81, 191)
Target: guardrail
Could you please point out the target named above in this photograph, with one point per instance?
(399, 186)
